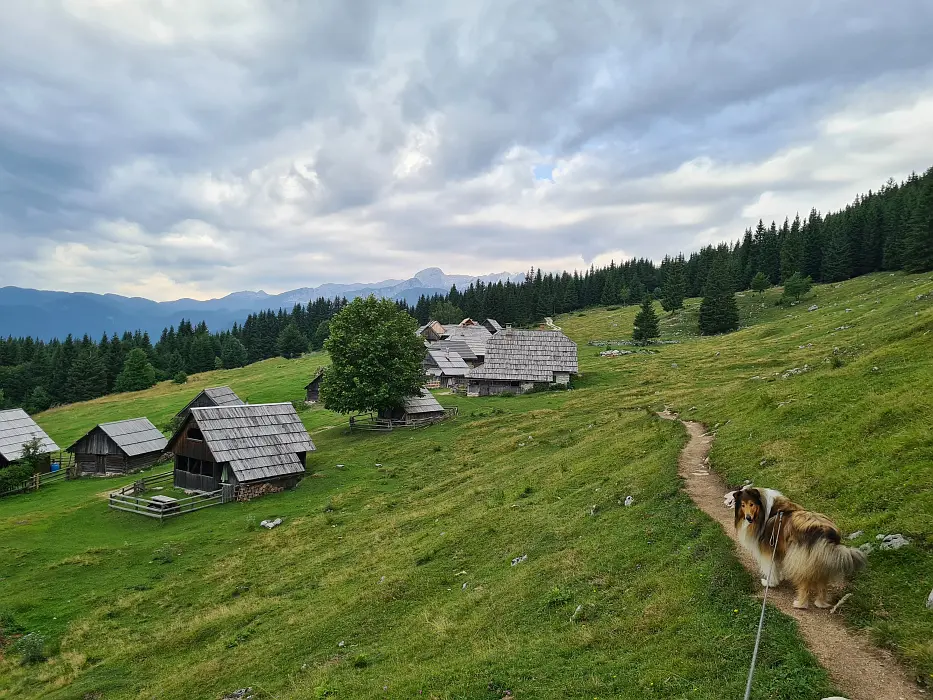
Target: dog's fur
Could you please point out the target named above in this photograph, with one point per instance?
(807, 551)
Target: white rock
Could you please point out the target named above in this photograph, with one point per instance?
(867, 548)
(629, 500)
(930, 601)
(894, 542)
(341, 643)
(269, 524)
(674, 365)
(813, 308)
(855, 535)
(576, 613)
(518, 560)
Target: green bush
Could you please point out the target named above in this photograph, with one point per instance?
(180, 378)
(31, 647)
(14, 476)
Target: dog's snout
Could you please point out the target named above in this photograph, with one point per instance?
(749, 518)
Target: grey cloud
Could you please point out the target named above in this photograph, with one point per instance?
(280, 124)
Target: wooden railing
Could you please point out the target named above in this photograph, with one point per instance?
(195, 482)
(129, 500)
(372, 422)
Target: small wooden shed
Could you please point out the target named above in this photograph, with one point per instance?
(250, 446)
(313, 388)
(212, 396)
(119, 447)
(16, 429)
(447, 366)
(416, 408)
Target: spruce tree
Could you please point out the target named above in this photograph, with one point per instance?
(321, 335)
(760, 283)
(837, 260)
(646, 322)
(718, 310)
(791, 250)
(201, 354)
(292, 342)
(37, 401)
(797, 286)
(675, 287)
(137, 373)
(918, 238)
(233, 354)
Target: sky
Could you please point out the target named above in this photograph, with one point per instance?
(173, 148)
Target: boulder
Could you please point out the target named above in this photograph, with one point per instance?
(894, 542)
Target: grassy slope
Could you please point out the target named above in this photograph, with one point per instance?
(853, 442)
(666, 612)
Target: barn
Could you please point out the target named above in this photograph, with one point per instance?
(257, 447)
(212, 396)
(458, 346)
(16, 429)
(417, 409)
(313, 388)
(518, 361)
(447, 366)
(119, 447)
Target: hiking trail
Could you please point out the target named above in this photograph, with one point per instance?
(859, 669)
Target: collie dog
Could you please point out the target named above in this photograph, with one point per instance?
(806, 552)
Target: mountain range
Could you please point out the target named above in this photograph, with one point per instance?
(48, 314)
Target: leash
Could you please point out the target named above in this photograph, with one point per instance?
(764, 602)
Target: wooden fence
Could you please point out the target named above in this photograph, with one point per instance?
(372, 422)
(129, 499)
(65, 461)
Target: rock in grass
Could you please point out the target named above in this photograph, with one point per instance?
(867, 548)
(894, 542)
(855, 535)
(576, 613)
(241, 694)
(629, 500)
(813, 308)
(930, 601)
(269, 524)
(518, 560)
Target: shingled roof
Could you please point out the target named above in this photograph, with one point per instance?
(16, 429)
(259, 441)
(449, 363)
(492, 325)
(216, 396)
(425, 403)
(474, 336)
(458, 346)
(529, 356)
(135, 436)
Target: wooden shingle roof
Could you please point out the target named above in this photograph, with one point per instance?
(136, 436)
(216, 396)
(16, 429)
(449, 363)
(425, 403)
(458, 346)
(474, 336)
(531, 356)
(259, 441)
(492, 325)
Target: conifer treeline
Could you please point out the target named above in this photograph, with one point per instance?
(891, 229)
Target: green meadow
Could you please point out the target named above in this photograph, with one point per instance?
(393, 577)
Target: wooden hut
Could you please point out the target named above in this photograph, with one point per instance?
(313, 388)
(257, 447)
(447, 366)
(212, 396)
(423, 407)
(492, 325)
(429, 333)
(16, 429)
(475, 336)
(518, 361)
(119, 447)
(458, 346)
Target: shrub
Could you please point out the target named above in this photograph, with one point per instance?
(31, 647)
(836, 362)
(180, 378)
(14, 476)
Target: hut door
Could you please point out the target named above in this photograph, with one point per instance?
(101, 464)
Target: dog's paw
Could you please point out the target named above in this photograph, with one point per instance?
(822, 604)
(801, 605)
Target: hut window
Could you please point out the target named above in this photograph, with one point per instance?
(195, 434)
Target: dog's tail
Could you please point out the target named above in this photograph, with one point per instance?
(823, 561)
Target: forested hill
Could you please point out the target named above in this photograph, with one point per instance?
(891, 229)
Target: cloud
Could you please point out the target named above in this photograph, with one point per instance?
(170, 149)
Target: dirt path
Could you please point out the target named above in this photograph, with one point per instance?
(857, 667)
